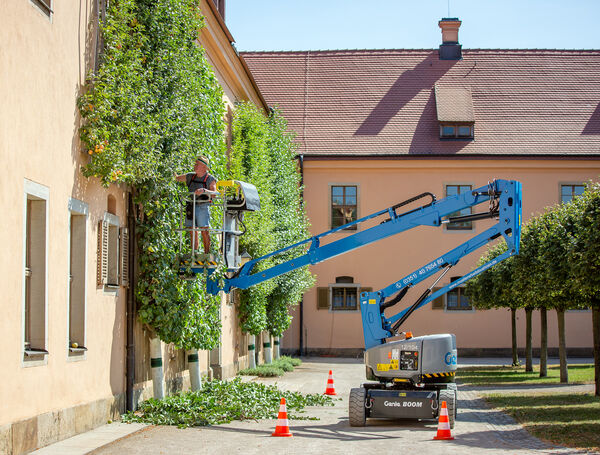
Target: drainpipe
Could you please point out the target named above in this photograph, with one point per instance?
(301, 322)
(194, 368)
(157, 368)
(251, 351)
(130, 342)
(267, 348)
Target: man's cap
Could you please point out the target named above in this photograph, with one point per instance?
(203, 159)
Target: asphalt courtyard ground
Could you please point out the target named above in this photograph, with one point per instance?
(479, 429)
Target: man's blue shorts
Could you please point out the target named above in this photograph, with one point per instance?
(202, 216)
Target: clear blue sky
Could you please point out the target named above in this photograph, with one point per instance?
(412, 24)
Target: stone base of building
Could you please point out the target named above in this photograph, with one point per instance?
(27, 435)
(30, 434)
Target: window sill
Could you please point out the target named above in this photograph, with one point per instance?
(35, 352)
(457, 139)
(33, 357)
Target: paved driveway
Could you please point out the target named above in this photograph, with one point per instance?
(479, 429)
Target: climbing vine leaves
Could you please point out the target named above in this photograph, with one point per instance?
(153, 105)
(263, 154)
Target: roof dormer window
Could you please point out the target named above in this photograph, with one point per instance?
(456, 131)
(455, 114)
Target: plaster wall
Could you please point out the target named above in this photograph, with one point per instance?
(42, 68)
(383, 183)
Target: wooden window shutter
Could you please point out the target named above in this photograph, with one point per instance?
(437, 304)
(323, 298)
(124, 236)
(102, 273)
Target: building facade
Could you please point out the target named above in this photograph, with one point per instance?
(376, 127)
(65, 260)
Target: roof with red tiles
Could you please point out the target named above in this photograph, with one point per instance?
(383, 102)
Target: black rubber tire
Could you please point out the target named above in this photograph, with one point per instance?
(356, 407)
(449, 396)
(452, 386)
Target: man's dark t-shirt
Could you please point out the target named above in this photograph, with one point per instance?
(194, 183)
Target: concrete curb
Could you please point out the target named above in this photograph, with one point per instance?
(88, 442)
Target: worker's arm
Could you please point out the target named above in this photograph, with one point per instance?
(180, 178)
(211, 190)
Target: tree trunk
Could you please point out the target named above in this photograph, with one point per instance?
(562, 347)
(528, 349)
(543, 342)
(513, 320)
(596, 330)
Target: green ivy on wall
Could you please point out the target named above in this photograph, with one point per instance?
(263, 154)
(152, 107)
(155, 104)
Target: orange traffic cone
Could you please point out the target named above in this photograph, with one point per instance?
(330, 390)
(283, 426)
(443, 430)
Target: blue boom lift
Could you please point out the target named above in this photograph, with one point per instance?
(412, 375)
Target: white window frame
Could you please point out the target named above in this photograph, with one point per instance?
(77, 207)
(41, 192)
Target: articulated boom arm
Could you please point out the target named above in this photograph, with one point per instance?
(505, 205)
(504, 198)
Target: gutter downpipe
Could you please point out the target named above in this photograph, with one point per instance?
(301, 341)
(130, 350)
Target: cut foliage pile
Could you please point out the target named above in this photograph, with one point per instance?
(222, 402)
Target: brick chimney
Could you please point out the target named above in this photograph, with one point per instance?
(450, 49)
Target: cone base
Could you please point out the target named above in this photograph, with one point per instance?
(443, 438)
(329, 392)
(284, 435)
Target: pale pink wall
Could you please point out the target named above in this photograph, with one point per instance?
(42, 68)
(383, 183)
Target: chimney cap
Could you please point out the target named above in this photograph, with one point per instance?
(450, 49)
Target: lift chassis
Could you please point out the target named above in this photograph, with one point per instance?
(409, 377)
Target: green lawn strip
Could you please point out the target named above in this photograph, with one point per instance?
(222, 402)
(276, 368)
(572, 420)
(498, 375)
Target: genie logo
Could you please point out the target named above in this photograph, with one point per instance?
(450, 359)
